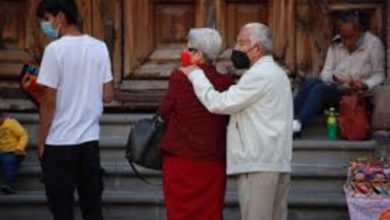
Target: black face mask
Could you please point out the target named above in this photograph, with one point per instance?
(240, 59)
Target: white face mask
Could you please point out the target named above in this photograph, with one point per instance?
(49, 30)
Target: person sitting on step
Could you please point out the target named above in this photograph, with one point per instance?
(355, 60)
(13, 142)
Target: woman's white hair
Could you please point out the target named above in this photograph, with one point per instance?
(206, 40)
(260, 34)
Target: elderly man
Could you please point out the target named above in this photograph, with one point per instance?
(259, 138)
(355, 60)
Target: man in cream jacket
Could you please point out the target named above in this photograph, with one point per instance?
(259, 140)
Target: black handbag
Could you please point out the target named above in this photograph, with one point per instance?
(143, 144)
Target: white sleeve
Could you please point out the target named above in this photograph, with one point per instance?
(49, 72)
(248, 90)
(377, 59)
(107, 72)
(327, 71)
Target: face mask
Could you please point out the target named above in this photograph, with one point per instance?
(49, 30)
(240, 59)
(185, 58)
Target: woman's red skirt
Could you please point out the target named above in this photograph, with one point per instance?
(194, 189)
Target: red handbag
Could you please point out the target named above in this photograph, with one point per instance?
(354, 120)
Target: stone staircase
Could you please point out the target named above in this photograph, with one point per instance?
(319, 169)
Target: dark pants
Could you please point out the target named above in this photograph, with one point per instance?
(10, 163)
(66, 168)
(313, 97)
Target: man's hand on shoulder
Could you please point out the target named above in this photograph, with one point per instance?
(188, 69)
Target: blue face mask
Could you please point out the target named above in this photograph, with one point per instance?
(49, 30)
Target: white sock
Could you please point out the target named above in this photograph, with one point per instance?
(297, 126)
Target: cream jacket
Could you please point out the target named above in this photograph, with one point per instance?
(259, 135)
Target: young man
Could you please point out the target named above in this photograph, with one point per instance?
(13, 142)
(76, 73)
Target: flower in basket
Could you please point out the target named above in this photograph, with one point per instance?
(359, 183)
(378, 182)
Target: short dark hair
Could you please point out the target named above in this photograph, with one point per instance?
(357, 17)
(68, 7)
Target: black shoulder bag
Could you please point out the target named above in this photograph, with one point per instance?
(143, 145)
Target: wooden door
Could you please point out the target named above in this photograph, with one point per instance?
(156, 31)
(106, 23)
(21, 38)
(18, 36)
(232, 15)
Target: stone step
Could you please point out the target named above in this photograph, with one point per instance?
(107, 119)
(119, 176)
(149, 205)
(17, 105)
(115, 128)
(304, 151)
(163, 61)
(316, 130)
(319, 169)
(12, 93)
(10, 70)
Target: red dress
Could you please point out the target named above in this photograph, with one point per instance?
(194, 145)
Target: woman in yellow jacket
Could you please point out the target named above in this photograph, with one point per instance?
(13, 142)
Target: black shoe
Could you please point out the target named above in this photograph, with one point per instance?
(297, 135)
(8, 189)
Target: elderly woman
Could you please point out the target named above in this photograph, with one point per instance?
(194, 145)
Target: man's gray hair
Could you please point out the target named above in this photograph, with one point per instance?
(260, 34)
(206, 40)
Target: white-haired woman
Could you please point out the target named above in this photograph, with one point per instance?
(194, 145)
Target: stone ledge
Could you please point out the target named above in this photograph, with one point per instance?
(299, 171)
(304, 199)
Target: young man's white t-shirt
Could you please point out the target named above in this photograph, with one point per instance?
(77, 67)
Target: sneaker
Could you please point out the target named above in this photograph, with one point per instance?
(7, 189)
(297, 126)
(297, 129)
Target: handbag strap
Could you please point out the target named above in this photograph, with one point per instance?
(137, 173)
(142, 177)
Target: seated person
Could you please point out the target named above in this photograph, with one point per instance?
(355, 60)
(13, 142)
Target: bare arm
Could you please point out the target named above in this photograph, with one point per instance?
(108, 92)
(46, 114)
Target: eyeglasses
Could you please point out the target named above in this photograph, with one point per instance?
(191, 49)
